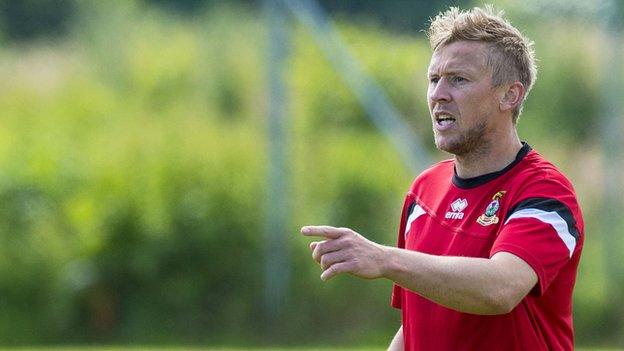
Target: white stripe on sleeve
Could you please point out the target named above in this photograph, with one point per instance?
(417, 212)
(552, 218)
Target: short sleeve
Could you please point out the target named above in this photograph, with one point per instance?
(408, 207)
(543, 232)
(397, 296)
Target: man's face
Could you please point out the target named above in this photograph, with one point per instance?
(462, 100)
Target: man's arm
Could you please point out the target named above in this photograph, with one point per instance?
(397, 343)
(466, 284)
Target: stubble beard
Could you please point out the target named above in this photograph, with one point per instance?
(472, 142)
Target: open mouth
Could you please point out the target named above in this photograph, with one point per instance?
(445, 120)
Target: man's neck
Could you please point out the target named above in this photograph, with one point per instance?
(490, 158)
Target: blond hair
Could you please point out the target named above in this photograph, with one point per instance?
(510, 57)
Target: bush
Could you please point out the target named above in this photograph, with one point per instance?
(133, 192)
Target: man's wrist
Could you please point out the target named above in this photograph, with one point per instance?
(388, 262)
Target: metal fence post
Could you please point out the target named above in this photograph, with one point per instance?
(277, 268)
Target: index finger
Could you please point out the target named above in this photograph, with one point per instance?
(323, 231)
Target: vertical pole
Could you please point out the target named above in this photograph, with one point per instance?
(612, 148)
(277, 269)
(371, 96)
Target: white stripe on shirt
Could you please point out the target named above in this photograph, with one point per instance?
(552, 218)
(417, 212)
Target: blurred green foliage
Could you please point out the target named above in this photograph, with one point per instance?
(133, 172)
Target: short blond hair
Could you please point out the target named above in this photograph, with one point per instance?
(511, 56)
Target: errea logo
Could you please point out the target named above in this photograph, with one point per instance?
(457, 207)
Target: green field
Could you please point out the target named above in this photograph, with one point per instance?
(208, 348)
(182, 348)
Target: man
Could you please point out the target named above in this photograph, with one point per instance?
(489, 241)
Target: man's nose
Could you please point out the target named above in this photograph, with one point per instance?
(439, 92)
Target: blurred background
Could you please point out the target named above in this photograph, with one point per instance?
(157, 159)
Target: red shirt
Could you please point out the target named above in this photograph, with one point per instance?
(528, 209)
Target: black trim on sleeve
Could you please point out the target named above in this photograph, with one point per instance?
(548, 205)
(467, 183)
(410, 209)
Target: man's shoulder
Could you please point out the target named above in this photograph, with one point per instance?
(540, 180)
(537, 169)
(442, 167)
(439, 172)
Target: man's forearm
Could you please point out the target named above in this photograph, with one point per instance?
(466, 284)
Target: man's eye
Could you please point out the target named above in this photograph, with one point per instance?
(458, 79)
(434, 79)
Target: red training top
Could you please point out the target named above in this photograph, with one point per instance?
(528, 209)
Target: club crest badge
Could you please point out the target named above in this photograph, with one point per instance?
(489, 217)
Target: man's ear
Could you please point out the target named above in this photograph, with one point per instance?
(512, 96)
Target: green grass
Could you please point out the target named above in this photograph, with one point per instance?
(182, 348)
(179, 348)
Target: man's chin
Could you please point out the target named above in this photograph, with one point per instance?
(454, 148)
(445, 145)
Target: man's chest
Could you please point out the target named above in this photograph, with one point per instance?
(463, 223)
